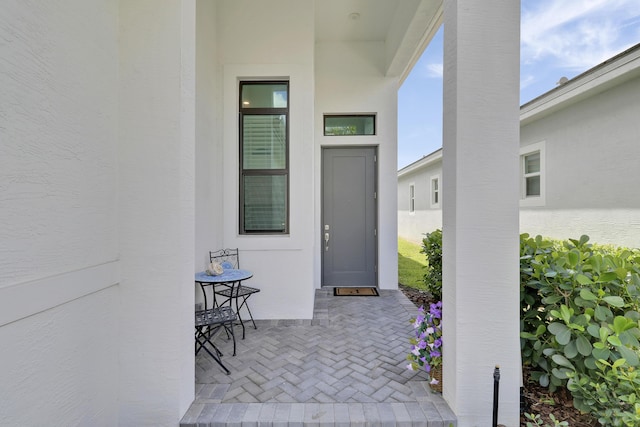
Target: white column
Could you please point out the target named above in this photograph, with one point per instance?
(156, 210)
(480, 208)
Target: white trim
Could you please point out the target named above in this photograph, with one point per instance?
(427, 160)
(533, 200)
(433, 192)
(28, 298)
(620, 68)
(299, 125)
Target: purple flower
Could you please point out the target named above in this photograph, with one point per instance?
(434, 354)
(438, 343)
(415, 350)
(436, 310)
(427, 367)
(422, 345)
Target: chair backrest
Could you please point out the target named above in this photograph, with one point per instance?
(227, 258)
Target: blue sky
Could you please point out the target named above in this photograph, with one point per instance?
(559, 38)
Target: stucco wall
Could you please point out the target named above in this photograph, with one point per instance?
(58, 219)
(350, 79)
(591, 151)
(412, 226)
(156, 204)
(209, 169)
(250, 49)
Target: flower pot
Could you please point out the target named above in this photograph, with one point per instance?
(436, 374)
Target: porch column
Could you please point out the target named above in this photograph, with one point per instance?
(156, 210)
(480, 208)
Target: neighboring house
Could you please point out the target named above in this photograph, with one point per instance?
(137, 135)
(579, 148)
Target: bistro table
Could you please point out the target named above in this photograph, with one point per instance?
(231, 277)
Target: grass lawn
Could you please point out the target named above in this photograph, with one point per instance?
(411, 264)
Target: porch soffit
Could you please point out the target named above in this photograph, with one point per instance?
(404, 26)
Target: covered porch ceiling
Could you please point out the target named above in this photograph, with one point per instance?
(405, 27)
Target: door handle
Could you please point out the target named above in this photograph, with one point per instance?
(326, 241)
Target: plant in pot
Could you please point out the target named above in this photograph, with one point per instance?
(426, 344)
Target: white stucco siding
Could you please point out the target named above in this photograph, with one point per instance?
(426, 218)
(259, 41)
(58, 217)
(209, 170)
(350, 79)
(58, 155)
(591, 149)
(480, 268)
(266, 32)
(59, 366)
(156, 209)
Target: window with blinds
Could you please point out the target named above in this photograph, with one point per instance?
(264, 157)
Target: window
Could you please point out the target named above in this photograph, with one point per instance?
(435, 191)
(412, 198)
(532, 175)
(264, 157)
(357, 124)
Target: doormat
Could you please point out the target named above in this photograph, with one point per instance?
(355, 292)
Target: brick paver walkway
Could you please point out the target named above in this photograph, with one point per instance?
(344, 367)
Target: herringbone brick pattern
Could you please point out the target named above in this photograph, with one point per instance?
(348, 361)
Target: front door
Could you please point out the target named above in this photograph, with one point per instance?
(349, 242)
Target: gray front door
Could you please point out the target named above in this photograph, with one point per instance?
(349, 217)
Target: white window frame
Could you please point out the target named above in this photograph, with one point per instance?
(412, 198)
(526, 201)
(433, 191)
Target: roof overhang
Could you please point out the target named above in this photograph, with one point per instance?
(427, 160)
(405, 27)
(612, 72)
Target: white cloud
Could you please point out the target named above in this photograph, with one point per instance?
(527, 80)
(577, 35)
(433, 70)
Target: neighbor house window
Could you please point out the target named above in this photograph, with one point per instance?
(264, 157)
(435, 191)
(532, 175)
(412, 198)
(531, 165)
(356, 124)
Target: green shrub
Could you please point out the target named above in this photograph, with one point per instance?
(612, 394)
(580, 320)
(580, 313)
(432, 248)
(536, 421)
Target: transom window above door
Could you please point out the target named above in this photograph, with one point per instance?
(349, 124)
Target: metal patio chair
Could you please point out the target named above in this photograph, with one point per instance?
(230, 258)
(208, 324)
